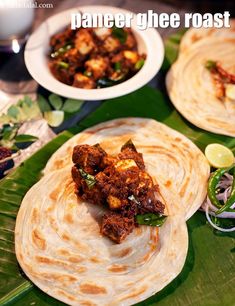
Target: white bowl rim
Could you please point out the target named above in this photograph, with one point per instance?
(35, 58)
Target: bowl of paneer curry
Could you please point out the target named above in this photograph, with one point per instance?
(92, 63)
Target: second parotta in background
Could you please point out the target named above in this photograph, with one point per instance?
(193, 35)
(169, 156)
(201, 84)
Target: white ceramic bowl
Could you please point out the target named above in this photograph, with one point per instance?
(37, 48)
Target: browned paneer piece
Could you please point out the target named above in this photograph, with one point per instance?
(130, 42)
(88, 158)
(111, 44)
(114, 202)
(149, 204)
(118, 183)
(97, 66)
(128, 151)
(84, 42)
(116, 227)
(102, 33)
(76, 177)
(108, 161)
(82, 81)
(131, 56)
(92, 195)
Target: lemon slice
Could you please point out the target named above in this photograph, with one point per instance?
(54, 118)
(219, 156)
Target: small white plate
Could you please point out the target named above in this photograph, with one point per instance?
(37, 49)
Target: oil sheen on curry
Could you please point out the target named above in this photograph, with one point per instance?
(121, 184)
(94, 57)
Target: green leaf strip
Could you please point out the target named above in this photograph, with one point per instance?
(16, 293)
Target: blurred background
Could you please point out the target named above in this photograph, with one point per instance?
(17, 24)
(14, 78)
(179, 6)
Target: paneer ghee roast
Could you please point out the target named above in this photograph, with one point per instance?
(91, 58)
(106, 224)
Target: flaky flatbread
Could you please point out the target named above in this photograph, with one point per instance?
(60, 248)
(191, 88)
(193, 35)
(169, 156)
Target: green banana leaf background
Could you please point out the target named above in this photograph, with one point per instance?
(209, 271)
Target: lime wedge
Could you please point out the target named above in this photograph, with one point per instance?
(54, 118)
(219, 156)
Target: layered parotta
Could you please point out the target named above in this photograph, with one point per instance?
(168, 155)
(193, 35)
(192, 89)
(60, 248)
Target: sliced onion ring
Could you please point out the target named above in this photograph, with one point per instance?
(232, 229)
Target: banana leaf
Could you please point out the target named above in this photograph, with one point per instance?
(13, 284)
(208, 274)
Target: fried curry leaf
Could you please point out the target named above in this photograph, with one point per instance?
(129, 144)
(104, 82)
(151, 219)
(210, 65)
(120, 34)
(90, 179)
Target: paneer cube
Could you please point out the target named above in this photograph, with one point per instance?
(97, 66)
(84, 42)
(102, 33)
(114, 202)
(125, 164)
(131, 56)
(111, 44)
(82, 81)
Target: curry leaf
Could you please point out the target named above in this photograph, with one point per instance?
(120, 34)
(90, 179)
(151, 219)
(129, 144)
(43, 104)
(56, 101)
(28, 101)
(13, 111)
(25, 138)
(72, 105)
(210, 65)
(9, 132)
